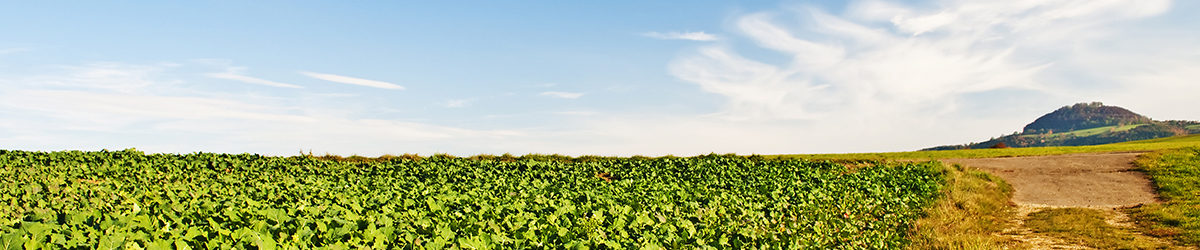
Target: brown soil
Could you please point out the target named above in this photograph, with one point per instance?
(1077, 180)
(1104, 181)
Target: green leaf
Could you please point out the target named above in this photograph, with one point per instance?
(613, 244)
(438, 243)
(160, 244)
(470, 243)
(264, 242)
(192, 232)
(13, 240)
(643, 219)
(133, 246)
(181, 245)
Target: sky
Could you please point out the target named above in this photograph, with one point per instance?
(615, 78)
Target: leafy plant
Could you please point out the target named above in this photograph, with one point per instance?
(128, 199)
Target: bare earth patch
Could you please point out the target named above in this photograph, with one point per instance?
(1103, 181)
(1077, 180)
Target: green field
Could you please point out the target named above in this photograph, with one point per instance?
(1133, 146)
(127, 199)
(1091, 131)
(1176, 175)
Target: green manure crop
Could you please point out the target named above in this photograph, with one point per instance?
(127, 199)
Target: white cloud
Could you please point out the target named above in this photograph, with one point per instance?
(879, 76)
(1161, 89)
(576, 113)
(929, 59)
(693, 36)
(89, 110)
(13, 50)
(861, 68)
(187, 124)
(908, 70)
(100, 76)
(562, 95)
(78, 108)
(352, 80)
(457, 103)
(235, 73)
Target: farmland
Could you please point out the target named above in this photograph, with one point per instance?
(129, 199)
(1090, 131)
(116, 199)
(1131, 146)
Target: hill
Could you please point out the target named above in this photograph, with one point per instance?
(1084, 116)
(1086, 124)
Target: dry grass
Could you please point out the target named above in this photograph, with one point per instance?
(1088, 227)
(973, 212)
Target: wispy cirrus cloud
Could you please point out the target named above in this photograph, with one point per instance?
(14, 50)
(97, 76)
(561, 94)
(353, 80)
(159, 109)
(872, 76)
(941, 69)
(692, 36)
(457, 103)
(918, 60)
(576, 113)
(235, 74)
(164, 123)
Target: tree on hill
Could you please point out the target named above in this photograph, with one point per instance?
(1084, 116)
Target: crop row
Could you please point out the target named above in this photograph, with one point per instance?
(127, 199)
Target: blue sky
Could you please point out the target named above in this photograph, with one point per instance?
(603, 78)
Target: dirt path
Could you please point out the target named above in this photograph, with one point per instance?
(1077, 180)
(1100, 181)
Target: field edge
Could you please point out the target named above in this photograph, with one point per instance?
(973, 211)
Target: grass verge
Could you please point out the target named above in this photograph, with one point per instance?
(1088, 227)
(971, 214)
(1176, 176)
